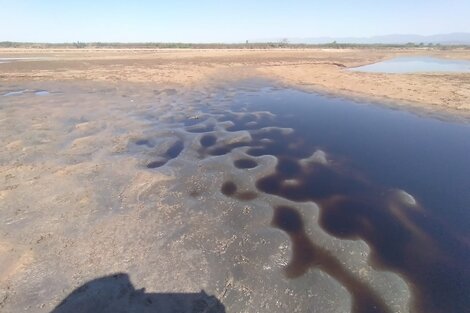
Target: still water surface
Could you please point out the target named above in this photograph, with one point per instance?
(420, 64)
(375, 154)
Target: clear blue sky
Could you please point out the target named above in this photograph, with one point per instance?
(224, 21)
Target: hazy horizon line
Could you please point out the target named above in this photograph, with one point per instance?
(276, 39)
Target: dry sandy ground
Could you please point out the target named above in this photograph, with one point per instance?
(317, 69)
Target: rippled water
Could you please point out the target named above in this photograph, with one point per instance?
(416, 65)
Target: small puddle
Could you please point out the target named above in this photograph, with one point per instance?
(15, 93)
(41, 93)
(26, 91)
(9, 60)
(416, 65)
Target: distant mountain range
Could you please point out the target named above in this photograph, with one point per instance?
(444, 39)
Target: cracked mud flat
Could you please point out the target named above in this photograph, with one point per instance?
(269, 199)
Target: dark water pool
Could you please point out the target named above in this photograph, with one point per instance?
(395, 179)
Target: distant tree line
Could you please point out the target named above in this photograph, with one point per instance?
(247, 45)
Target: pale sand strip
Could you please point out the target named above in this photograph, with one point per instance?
(316, 69)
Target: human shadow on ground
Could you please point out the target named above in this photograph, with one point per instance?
(116, 294)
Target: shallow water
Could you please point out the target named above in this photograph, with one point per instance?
(385, 176)
(416, 65)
